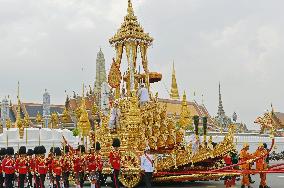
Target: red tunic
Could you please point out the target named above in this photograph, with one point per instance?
(99, 162)
(21, 165)
(77, 164)
(41, 166)
(8, 166)
(65, 163)
(114, 159)
(228, 160)
(49, 163)
(91, 163)
(31, 163)
(56, 167)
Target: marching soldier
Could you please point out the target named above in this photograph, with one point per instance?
(31, 166)
(56, 167)
(8, 166)
(66, 166)
(95, 165)
(2, 156)
(41, 167)
(114, 159)
(49, 168)
(245, 156)
(91, 167)
(22, 166)
(99, 164)
(261, 164)
(78, 165)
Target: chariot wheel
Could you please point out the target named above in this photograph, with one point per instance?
(130, 175)
(130, 180)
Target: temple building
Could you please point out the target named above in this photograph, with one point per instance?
(28, 114)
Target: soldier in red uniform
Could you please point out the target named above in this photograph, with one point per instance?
(99, 163)
(31, 166)
(22, 166)
(79, 165)
(41, 167)
(66, 166)
(56, 167)
(34, 172)
(91, 167)
(2, 156)
(49, 168)
(114, 159)
(8, 166)
(95, 165)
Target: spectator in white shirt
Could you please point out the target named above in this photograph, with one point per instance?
(147, 166)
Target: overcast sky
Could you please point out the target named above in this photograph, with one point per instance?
(45, 43)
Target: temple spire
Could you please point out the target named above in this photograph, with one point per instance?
(19, 103)
(174, 88)
(221, 111)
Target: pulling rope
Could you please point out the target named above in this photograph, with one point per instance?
(230, 167)
(249, 160)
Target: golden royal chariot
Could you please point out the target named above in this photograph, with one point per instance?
(139, 126)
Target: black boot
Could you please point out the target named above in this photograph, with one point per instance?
(242, 186)
(266, 186)
(260, 186)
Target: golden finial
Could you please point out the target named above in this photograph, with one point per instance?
(38, 118)
(84, 125)
(174, 89)
(185, 119)
(130, 8)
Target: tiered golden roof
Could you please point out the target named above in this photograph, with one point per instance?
(131, 29)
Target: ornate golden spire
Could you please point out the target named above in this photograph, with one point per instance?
(84, 124)
(19, 122)
(39, 120)
(65, 115)
(174, 89)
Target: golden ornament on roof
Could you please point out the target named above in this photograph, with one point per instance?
(54, 122)
(185, 119)
(39, 119)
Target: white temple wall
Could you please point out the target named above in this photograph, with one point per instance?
(34, 137)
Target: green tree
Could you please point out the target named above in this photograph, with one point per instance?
(75, 132)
